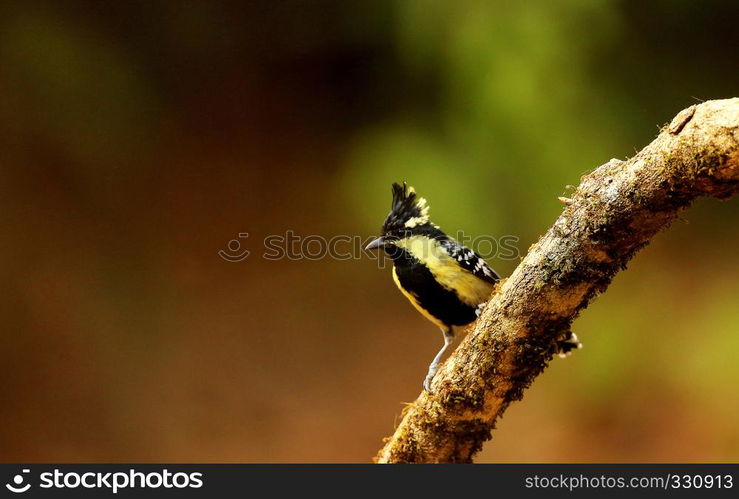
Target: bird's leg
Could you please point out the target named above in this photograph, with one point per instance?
(448, 340)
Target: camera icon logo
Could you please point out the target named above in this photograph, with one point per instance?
(17, 485)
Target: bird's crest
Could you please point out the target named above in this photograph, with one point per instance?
(408, 209)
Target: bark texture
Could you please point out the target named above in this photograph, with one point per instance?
(614, 212)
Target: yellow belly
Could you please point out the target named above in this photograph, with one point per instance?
(471, 289)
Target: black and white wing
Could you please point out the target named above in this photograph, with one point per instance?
(470, 261)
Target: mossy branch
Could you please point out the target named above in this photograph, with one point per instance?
(614, 212)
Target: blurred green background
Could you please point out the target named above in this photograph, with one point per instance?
(138, 138)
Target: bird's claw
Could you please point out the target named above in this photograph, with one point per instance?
(480, 308)
(427, 384)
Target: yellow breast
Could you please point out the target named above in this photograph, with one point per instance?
(471, 289)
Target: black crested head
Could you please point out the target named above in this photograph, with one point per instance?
(408, 212)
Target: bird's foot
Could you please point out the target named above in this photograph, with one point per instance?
(480, 308)
(448, 339)
(430, 377)
(427, 384)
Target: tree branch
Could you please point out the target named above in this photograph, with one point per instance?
(613, 213)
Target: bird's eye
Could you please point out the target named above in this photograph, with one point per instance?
(393, 251)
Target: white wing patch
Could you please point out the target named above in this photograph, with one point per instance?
(470, 278)
(469, 260)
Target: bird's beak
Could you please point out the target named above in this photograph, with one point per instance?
(376, 244)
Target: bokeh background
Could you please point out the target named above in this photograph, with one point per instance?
(137, 139)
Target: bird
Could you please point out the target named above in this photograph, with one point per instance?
(444, 280)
